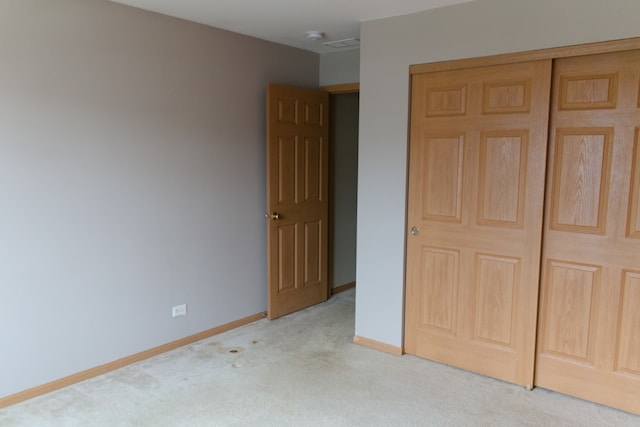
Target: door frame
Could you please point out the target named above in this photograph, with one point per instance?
(342, 88)
(338, 89)
(531, 55)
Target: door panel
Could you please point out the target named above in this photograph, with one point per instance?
(633, 220)
(497, 284)
(297, 198)
(443, 177)
(589, 336)
(438, 305)
(572, 298)
(476, 183)
(628, 347)
(580, 183)
(502, 178)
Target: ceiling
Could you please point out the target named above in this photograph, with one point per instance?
(287, 21)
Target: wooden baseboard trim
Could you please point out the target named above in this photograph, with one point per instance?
(377, 345)
(128, 360)
(343, 288)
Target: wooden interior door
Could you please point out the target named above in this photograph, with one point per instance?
(297, 198)
(589, 336)
(476, 187)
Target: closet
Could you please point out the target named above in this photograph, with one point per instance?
(523, 246)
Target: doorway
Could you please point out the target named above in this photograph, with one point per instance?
(343, 188)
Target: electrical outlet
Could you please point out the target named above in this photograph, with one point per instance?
(179, 310)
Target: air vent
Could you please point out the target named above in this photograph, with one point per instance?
(344, 43)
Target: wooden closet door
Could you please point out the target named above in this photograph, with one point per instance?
(476, 188)
(589, 336)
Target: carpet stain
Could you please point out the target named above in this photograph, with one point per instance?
(135, 378)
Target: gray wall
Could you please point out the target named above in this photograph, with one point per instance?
(389, 47)
(344, 186)
(132, 169)
(340, 67)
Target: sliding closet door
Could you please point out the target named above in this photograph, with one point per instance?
(589, 337)
(476, 189)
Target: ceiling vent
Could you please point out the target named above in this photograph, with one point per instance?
(344, 43)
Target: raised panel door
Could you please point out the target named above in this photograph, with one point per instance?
(589, 333)
(476, 182)
(297, 198)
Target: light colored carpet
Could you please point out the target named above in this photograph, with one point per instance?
(301, 370)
